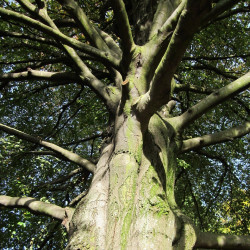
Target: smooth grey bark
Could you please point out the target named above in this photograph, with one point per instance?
(34, 206)
(216, 241)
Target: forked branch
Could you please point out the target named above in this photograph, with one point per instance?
(160, 87)
(165, 17)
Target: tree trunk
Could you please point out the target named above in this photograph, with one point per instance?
(131, 203)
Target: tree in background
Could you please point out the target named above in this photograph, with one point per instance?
(119, 120)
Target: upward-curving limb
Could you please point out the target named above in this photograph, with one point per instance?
(219, 137)
(123, 25)
(212, 100)
(70, 156)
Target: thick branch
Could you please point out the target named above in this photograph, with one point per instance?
(34, 206)
(70, 156)
(160, 35)
(219, 137)
(212, 100)
(110, 42)
(123, 24)
(171, 22)
(27, 5)
(182, 35)
(215, 241)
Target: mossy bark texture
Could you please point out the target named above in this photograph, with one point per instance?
(131, 203)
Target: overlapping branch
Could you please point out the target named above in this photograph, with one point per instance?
(85, 74)
(69, 44)
(70, 156)
(231, 13)
(5, 33)
(104, 56)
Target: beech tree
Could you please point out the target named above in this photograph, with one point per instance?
(125, 122)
